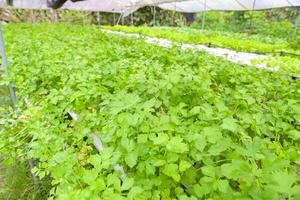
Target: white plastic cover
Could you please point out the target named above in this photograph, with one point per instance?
(128, 6)
(116, 6)
(234, 5)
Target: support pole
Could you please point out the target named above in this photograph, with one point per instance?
(297, 24)
(114, 16)
(174, 12)
(251, 17)
(203, 16)
(119, 19)
(13, 95)
(154, 15)
(5, 64)
(131, 17)
(34, 177)
(98, 18)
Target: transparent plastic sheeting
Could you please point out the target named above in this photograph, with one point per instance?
(114, 6)
(229, 5)
(128, 6)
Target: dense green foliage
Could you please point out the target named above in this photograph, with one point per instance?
(295, 40)
(182, 125)
(4, 96)
(278, 22)
(16, 183)
(235, 41)
(275, 22)
(4, 103)
(286, 63)
(240, 42)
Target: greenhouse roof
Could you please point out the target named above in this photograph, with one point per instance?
(128, 6)
(228, 5)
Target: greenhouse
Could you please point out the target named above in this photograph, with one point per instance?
(150, 99)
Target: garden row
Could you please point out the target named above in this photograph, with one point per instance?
(279, 50)
(236, 41)
(173, 124)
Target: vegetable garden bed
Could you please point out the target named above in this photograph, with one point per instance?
(256, 44)
(181, 125)
(235, 41)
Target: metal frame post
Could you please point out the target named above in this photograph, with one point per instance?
(114, 16)
(131, 14)
(119, 19)
(251, 17)
(203, 16)
(297, 24)
(99, 18)
(5, 64)
(154, 15)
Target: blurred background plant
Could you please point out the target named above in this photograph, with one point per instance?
(278, 23)
(16, 183)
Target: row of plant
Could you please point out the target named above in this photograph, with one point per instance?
(235, 41)
(273, 23)
(285, 63)
(173, 125)
(228, 34)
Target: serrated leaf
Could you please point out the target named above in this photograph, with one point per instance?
(158, 162)
(200, 142)
(209, 171)
(212, 133)
(196, 110)
(127, 144)
(148, 105)
(132, 119)
(230, 124)
(176, 145)
(112, 179)
(131, 159)
(89, 176)
(95, 160)
(283, 182)
(171, 170)
(134, 192)
(142, 138)
(294, 134)
(183, 165)
(219, 147)
(127, 184)
(161, 139)
(223, 186)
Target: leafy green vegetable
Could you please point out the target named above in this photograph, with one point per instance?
(174, 124)
(235, 41)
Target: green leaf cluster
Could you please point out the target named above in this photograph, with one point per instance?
(236, 41)
(230, 40)
(174, 124)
